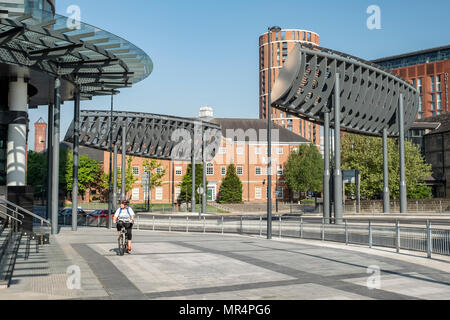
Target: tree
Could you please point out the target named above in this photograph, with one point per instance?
(231, 188)
(365, 154)
(89, 174)
(130, 179)
(186, 184)
(304, 169)
(151, 166)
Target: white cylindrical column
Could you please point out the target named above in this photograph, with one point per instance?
(17, 134)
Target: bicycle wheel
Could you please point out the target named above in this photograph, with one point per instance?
(121, 244)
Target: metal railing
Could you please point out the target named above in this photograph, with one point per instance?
(414, 235)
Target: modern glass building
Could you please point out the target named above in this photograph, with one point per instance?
(26, 6)
(428, 71)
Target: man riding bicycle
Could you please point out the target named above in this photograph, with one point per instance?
(124, 217)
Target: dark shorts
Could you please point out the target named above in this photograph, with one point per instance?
(128, 226)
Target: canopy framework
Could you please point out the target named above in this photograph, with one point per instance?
(92, 59)
(148, 135)
(369, 94)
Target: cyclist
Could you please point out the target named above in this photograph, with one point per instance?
(124, 216)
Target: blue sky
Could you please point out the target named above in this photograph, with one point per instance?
(206, 52)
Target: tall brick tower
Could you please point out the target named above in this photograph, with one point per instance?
(40, 135)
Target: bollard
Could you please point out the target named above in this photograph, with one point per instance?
(370, 234)
(440, 206)
(301, 228)
(187, 224)
(429, 240)
(170, 224)
(260, 226)
(417, 205)
(279, 226)
(222, 224)
(204, 224)
(397, 232)
(323, 229)
(153, 223)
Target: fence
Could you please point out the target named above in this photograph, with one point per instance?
(417, 235)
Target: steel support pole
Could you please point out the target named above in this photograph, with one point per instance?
(76, 153)
(110, 185)
(326, 171)
(115, 178)
(204, 171)
(386, 191)
(403, 200)
(269, 142)
(124, 162)
(55, 152)
(358, 191)
(49, 161)
(337, 159)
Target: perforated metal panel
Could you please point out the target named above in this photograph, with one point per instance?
(369, 93)
(148, 135)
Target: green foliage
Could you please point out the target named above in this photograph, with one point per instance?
(186, 184)
(130, 179)
(231, 187)
(304, 169)
(366, 154)
(89, 174)
(155, 177)
(37, 171)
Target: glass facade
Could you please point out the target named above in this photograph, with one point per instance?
(438, 55)
(3, 141)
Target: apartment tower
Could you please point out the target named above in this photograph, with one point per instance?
(281, 44)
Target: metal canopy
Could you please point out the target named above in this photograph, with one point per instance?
(369, 94)
(91, 58)
(148, 135)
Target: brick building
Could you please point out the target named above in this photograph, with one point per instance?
(40, 135)
(244, 144)
(281, 44)
(428, 71)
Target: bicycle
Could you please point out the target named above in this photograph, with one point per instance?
(123, 242)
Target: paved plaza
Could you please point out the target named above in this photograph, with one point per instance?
(215, 267)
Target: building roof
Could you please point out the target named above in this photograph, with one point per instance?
(410, 54)
(92, 153)
(256, 130)
(443, 119)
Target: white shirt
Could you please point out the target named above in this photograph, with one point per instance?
(125, 215)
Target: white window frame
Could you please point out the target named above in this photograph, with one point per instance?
(209, 167)
(260, 171)
(223, 171)
(159, 193)
(178, 171)
(280, 150)
(242, 170)
(258, 150)
(240, 151)
(258, 193)
(138, 171)
(136, 194)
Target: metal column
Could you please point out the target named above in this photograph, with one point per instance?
(403, 200)
(269, 142)
(337, 159)
(55, 162)
(386, 192)
(204, 171)
(115, 178)
(76, 154)
(49, 161)
(124, 159)
(110, 185)
(326, 171)
(193, 204)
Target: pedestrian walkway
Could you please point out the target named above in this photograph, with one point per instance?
(215, 267)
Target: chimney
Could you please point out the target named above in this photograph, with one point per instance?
(40, 135)
(206, 113)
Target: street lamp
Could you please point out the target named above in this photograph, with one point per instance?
(269, 136)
